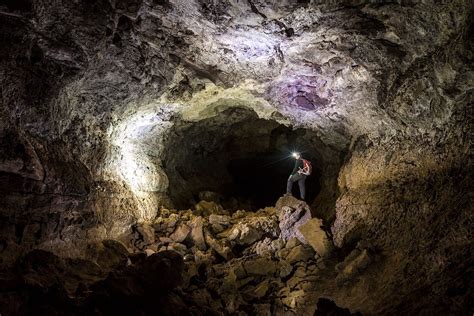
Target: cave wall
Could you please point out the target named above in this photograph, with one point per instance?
(407, 197)
(89, 91)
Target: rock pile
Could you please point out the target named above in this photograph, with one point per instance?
(253, 262)
(202, 261)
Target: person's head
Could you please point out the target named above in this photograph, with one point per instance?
(296, 155)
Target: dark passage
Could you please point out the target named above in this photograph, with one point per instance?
(262, 179)
(246, 160)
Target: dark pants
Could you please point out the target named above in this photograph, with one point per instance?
(294, 178)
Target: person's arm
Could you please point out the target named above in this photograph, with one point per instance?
(295, 169)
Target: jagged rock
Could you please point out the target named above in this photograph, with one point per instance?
(215, 219)
(292, 243)
(316, 236)
(260, 266)
(206, 208)
(294, 298)
(178, 247)
(260, 290)
(197, 234)
(300, 253)
(166, 224)
(149, 252)
(146, 232)
(285, 268)
(220, 248)
(181, 233)
(251, 229)
(292, 213)
(356, 262)
(268, 246)
(248, 235)
(109, 254)
(238, 270)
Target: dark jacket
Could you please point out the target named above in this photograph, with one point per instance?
(298, 164)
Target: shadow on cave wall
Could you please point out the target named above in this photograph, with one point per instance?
(243, 158)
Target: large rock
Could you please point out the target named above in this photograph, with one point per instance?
(108, 254)
(197, 234)
(220, 247)
(300, 253)
(147, 233)
(316, 236)
(206, 208)
(260, 266)
(292, 213)
(181, 233)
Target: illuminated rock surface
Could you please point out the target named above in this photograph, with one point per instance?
(118, 116)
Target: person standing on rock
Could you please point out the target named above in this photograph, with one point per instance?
(301, 170)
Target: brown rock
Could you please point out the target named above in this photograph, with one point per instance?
(316, 236)
(197, 234)
(181, 233)
(260, 266)
(147, 233)
(219, 247)
(300, 253)
(206, 208)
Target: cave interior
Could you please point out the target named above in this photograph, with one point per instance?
(145, 148)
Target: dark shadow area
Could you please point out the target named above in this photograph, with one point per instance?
(262, 178)
(246, 160)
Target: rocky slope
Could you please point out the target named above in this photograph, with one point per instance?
(275, 261)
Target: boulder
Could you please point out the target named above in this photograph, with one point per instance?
(285, 268)
(197, 234)
(300, 253)
(316, 236)
(292, 213)
(146, 232)
(181, 233)
(223, 220)
(108, 254)
(248, 235)
(261, 289)
(206, 208)
(219, 247)
(294, 299)
(260, 266)
(268, 246)
(166, 225)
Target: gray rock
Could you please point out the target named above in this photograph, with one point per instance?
(292, 213)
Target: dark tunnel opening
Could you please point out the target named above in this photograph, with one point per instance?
(245, 160)
(262, 179)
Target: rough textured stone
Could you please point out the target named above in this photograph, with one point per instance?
(111, 110)
(181, 233)
(300, 253)
(197, 234)
(292, 213)
(316, 236)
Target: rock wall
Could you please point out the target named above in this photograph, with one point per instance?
(91, 91)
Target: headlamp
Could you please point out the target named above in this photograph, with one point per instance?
(295, 154)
